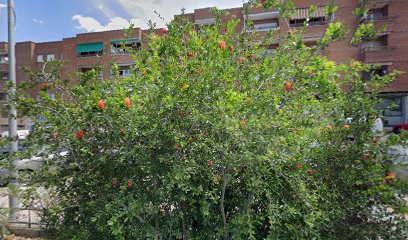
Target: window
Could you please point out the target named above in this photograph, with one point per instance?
(270, 52)
(201, 25)
(90, 49)
(50, 57)
(309, 22)
(377, 14)
(376, 44)
(123, 47)
(391, 106)
(3, 59)
(261, 26)
(3, 97)
(202, 29)
(50, 95)
(3, 76)
(124, 72)
(85, 70)
(40, 58)
(379, 71)
(304, 16)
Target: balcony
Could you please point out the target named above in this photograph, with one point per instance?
(376, 4)
(377, 54)
(3, 60)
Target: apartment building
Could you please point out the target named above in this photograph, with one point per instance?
(389, 50)
(80, 54)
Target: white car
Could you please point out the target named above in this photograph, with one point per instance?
(26, 166)
(22, 134)
(398, 154)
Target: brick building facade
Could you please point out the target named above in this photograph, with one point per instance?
(389, 50)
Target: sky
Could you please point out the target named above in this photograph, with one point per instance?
(53, 20)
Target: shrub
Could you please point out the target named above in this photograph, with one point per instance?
(210, 138)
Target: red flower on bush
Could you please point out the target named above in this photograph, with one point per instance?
(182, 114)
(144, 72)
(231, 49)
(222, 44)
(80, 134)
(287, 86)
(252, 55)
(190, 54)
(164, 31)
(177, 146)
(101, 105)
(55, 134)
(299, 166)
(196, 71)
(242, 59)
(127, 103)
(205, 134)
(183, 86)
(310, 172)
(366, 156)
(375, 140)
(122, 132)
(130, 183)
(327, 170)
(209, 162)
(329, 127)
(243, 123)
(390, 177)
(114, 181)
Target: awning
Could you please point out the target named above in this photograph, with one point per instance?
(304, 13)
(263, 16)
(129, 40)
(207, 21)
(90, 47)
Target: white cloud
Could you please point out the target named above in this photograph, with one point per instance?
(37, 21)
(3, 5)
(90, 24)
(141, 11)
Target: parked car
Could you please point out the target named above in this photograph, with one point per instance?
(25, 167)
(398, 154)
(22, 134)
(6, 150)
(398, 128)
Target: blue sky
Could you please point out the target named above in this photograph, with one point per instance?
(52, 20)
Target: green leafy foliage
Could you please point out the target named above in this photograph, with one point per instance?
(210, 138)
(366, 32)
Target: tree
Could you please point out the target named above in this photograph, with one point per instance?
(210, 138)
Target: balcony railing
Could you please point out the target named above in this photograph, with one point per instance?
(376, 54)
(3, 60)
(373, 18)
(376, 4)
(373, 46)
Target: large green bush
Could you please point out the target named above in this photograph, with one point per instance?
(210, 138)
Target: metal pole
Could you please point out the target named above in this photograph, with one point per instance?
(12, 120)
